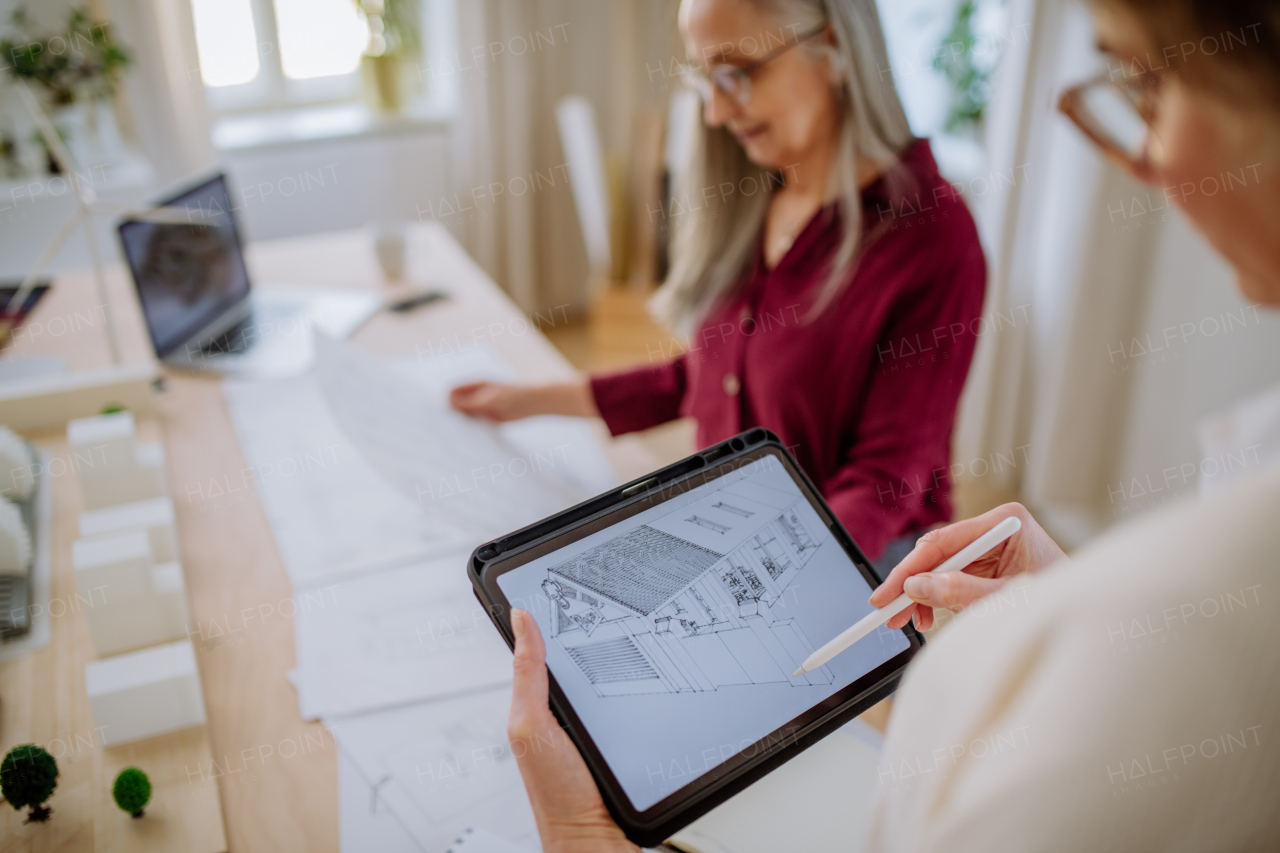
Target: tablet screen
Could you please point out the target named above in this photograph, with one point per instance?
(674, 632)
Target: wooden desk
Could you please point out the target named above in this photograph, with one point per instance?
(287, 800)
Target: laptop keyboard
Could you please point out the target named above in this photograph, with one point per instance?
(264, 320)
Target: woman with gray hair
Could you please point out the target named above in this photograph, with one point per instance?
(828, 281)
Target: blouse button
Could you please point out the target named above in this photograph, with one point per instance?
(731, 385)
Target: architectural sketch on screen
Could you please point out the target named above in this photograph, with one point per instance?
(693, 600)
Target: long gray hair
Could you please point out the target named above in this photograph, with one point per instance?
(710, 255)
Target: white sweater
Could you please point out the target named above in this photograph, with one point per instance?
(1128, 699)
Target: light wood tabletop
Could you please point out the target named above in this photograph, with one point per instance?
(275, 774)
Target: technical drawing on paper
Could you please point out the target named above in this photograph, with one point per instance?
(673, 606)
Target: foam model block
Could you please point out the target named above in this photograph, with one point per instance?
(154, 516)
(128, 601)
(111, 467)
(160, 617)
(145, 693)
(115, 568)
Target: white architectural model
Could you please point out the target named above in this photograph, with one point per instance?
(112, 468)
(145, 693)
(129, 599)
(692, 601)
(155, 516)
(130, 585)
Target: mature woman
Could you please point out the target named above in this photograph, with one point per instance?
(1172, 746)
(819, 301)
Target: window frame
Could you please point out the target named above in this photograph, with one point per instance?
(271, 92)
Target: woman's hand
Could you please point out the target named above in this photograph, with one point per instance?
(570, 814)
(499, 402)
(1028, 550)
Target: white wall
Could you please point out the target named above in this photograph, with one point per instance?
(348, 183)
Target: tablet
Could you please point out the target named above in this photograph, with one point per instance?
(675, 610)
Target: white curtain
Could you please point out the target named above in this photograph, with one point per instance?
(520, 57)
(1061, 278)
(165, 95)
(1084, 255)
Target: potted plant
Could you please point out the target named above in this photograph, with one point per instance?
(79, 66)
(394, 36)
(28, 776)
(131, 791)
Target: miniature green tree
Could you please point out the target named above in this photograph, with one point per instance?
(28, 776)
(132, 790)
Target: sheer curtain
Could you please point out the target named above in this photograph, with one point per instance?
(165, 95)
(523, 56)
(1098, 266)
(1063, 281)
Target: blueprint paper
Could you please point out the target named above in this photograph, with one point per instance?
(395, 637)
(562, 448)
(457, 468)
(476, 840)
(330, 513)
(366, 823)
(674, 633)
(443, 767)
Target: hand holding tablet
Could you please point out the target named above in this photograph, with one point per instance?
(672, 612)
(562, 792)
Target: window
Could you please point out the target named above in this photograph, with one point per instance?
(274, 55)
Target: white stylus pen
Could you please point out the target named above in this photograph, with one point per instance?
(876, 618)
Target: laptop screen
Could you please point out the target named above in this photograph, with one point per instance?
(187, 273)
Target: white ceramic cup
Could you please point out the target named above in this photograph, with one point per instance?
(389, 245)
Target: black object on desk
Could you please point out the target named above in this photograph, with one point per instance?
(418, 300)
(12, 315)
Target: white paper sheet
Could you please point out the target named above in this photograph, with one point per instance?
(476, 840)
(457, 468)
(366, 823)
(394, 637)
(330, 513)
(443, 767)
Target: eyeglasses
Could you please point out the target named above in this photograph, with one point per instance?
(735, 80)
(1117, 114)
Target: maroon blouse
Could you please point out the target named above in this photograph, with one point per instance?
(865, 394)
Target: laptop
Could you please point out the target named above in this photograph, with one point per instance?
(200, 309)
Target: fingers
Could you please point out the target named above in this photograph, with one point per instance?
(936, 546)
(463, 398)
(900, 620)
(529, 703)
(950, 590)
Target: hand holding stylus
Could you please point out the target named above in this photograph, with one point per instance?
(989, 548)
(1028, 550)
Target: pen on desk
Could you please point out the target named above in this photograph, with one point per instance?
(416, 301)
(876, 618)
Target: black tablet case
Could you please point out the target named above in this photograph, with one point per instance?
(658, 827)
